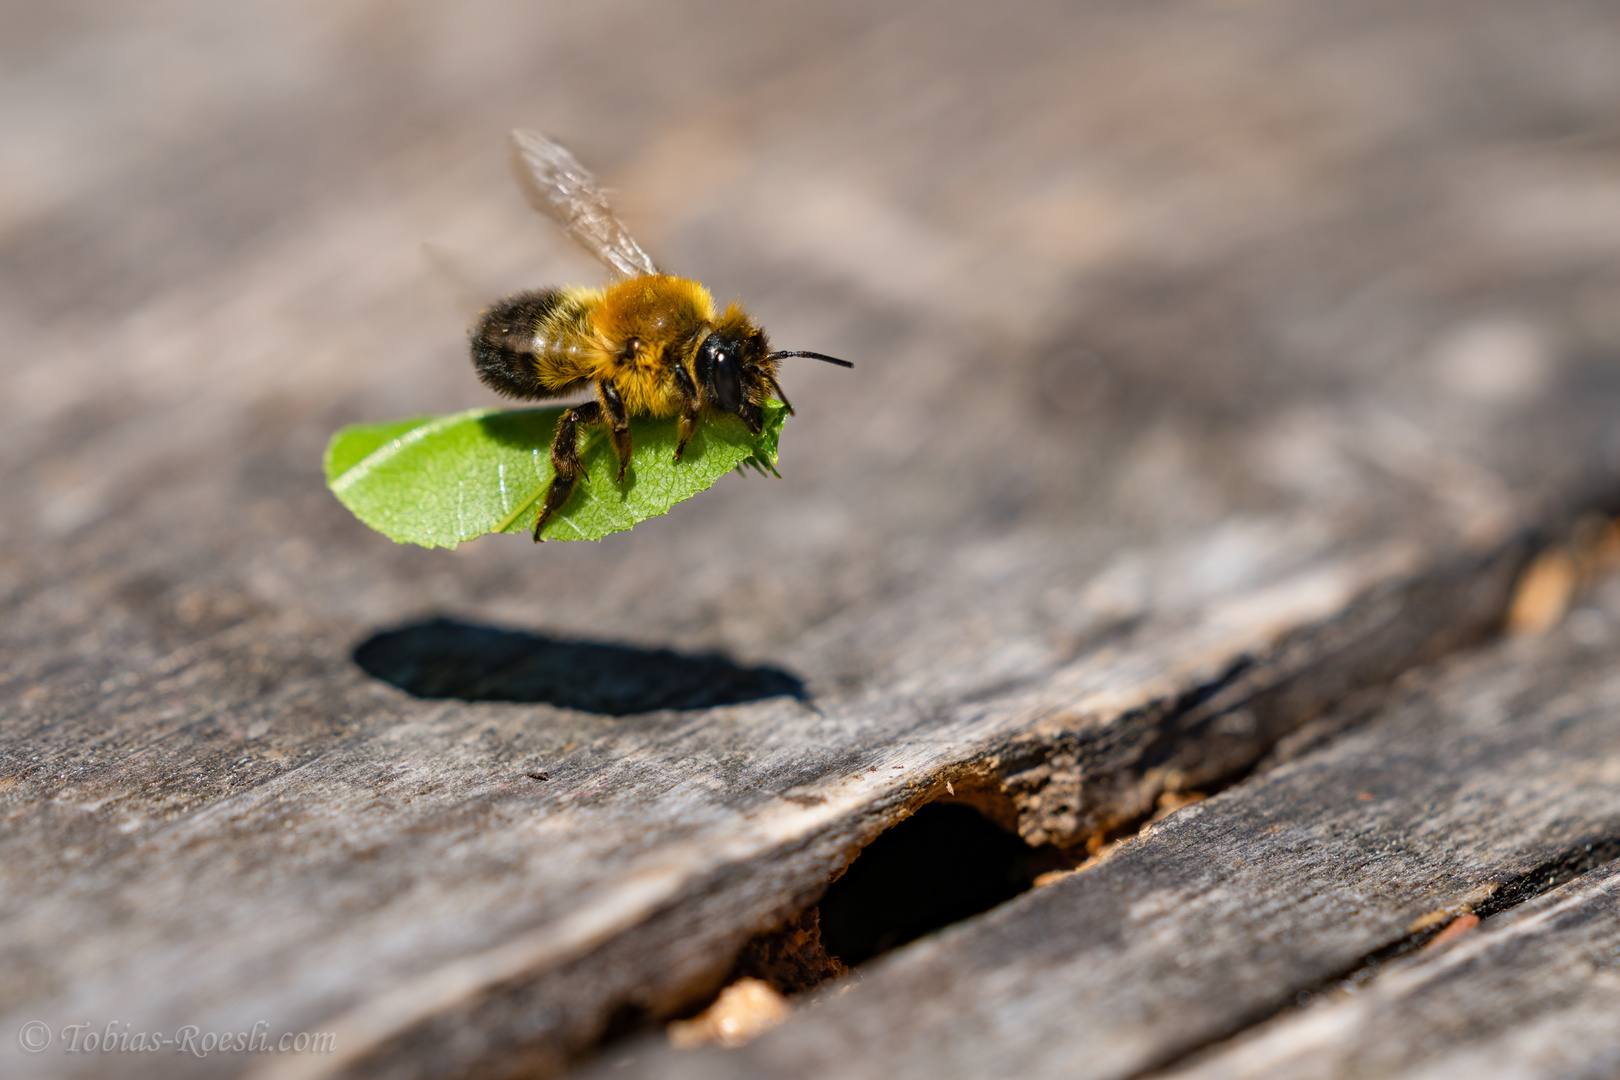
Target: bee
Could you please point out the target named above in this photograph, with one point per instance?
(649, 344)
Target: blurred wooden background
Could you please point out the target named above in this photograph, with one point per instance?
(1221, 366)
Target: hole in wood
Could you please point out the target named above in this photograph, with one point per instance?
(444, 658)
(945, 863)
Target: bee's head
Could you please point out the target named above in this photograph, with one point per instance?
(736, 369)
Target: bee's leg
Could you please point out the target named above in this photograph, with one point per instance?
(687, 427)
(618, 422)
(691, 407)
(779, 395)
(565, 459)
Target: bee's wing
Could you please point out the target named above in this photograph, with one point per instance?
(556, 184)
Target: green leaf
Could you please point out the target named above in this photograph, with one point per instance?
(439, 480)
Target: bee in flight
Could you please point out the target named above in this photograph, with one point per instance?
(647, 345)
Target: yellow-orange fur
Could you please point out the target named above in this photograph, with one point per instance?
(590, 336)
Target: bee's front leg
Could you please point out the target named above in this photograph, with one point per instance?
(618, 421)
(691, 408)
(565, 460)
(687, 427)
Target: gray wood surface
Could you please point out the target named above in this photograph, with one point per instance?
(1216, 363)
(1480, 785)
(1531, 993)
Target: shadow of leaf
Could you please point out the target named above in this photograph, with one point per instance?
(444, 658)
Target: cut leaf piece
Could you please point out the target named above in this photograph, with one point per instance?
(439, 480)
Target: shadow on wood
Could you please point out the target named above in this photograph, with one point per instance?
(443, 658)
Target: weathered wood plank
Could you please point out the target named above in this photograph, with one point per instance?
(1492, 781)
(1530, 993)
(1212, 365)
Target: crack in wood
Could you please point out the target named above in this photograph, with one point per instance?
(1072, 781)
(1337, 670)
(1497, 898)
(1031, 783)
(1318, 669)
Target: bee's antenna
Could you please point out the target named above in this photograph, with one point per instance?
(811, 355)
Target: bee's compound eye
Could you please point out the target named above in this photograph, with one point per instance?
(727, 382)
(719, 370)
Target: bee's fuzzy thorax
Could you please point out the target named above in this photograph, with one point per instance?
(656, 308)
(639, 330)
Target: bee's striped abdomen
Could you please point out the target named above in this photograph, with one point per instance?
(503, 345)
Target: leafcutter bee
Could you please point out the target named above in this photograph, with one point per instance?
(648, 344)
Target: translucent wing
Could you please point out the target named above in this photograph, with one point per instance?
(557, 185)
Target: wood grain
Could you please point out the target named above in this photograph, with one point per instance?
(1530, 993)
(1481, 785)
(1215, 364)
